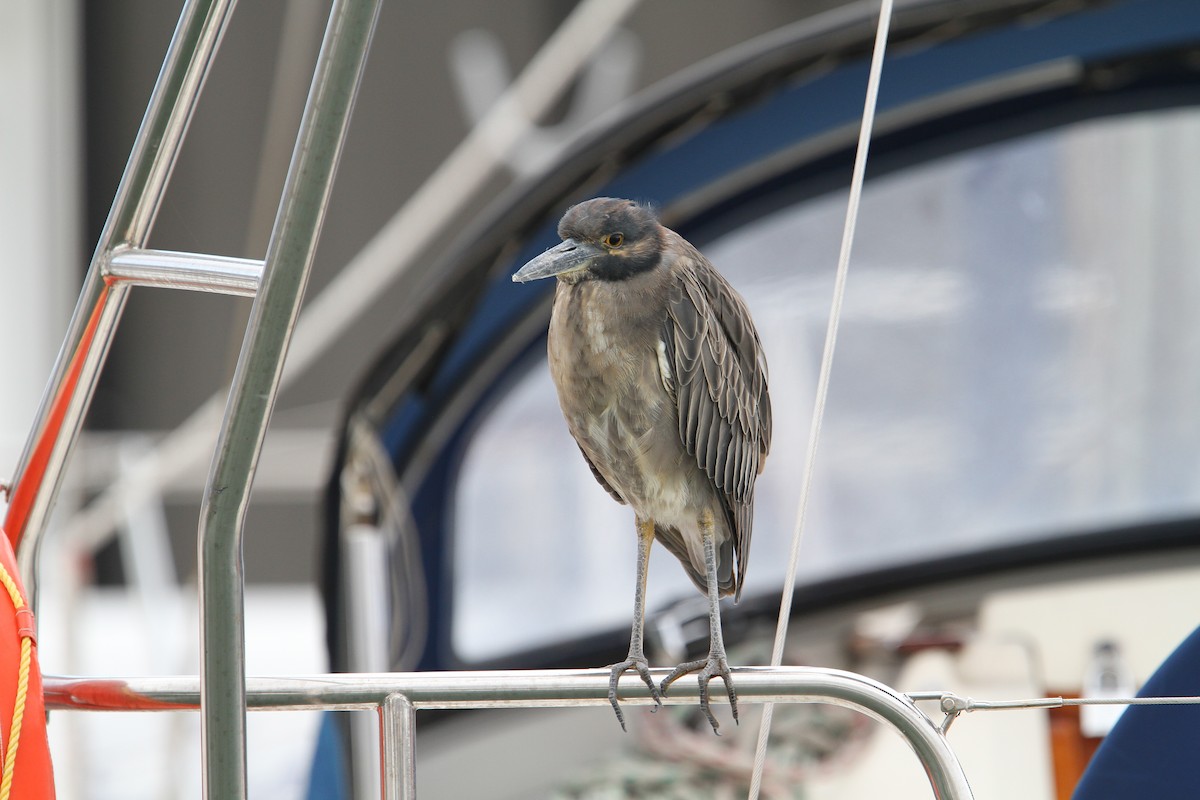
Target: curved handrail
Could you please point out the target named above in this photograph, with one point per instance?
(522, 689)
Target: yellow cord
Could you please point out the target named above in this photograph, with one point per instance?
(14, 736)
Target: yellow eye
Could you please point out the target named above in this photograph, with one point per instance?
(614, 239)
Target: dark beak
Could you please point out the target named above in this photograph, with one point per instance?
(569, 256)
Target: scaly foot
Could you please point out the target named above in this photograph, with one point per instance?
(642, 666)
(709, 668)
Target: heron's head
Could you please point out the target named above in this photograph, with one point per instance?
(603, 239)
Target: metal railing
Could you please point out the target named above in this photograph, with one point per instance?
(398, 696)
(121, 260)
(222, 692)
(40, 470)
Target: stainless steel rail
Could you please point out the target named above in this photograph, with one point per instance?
(399, 695)
(190, 271)
(290, 253)
(39, 472)
(121, 260)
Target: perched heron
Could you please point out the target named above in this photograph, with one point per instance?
(663, 383)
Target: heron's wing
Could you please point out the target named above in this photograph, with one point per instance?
(719, 382)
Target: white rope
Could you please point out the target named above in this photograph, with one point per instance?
(835, 313)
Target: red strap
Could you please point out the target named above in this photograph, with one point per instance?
(26, 626)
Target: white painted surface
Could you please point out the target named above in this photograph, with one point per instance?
(39, 203)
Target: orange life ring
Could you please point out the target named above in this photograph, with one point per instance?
(25, 769)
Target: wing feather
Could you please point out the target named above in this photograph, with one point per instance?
(719, 381)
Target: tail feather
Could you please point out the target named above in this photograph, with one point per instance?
(672, 539)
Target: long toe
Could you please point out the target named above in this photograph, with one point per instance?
(677, 673)
(714, 666)
(643, 670)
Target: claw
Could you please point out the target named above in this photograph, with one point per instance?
(709, 668)
(643, 669)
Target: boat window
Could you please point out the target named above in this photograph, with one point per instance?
(1019, 357)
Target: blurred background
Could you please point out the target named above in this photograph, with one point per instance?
(74, 81)
(1010, 493)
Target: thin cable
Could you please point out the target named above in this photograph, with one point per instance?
(959, 705)
(835, 314)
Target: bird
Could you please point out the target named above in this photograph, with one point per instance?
(662, 380)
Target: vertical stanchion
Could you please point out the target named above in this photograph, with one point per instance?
(255, 385)
(399, 729)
